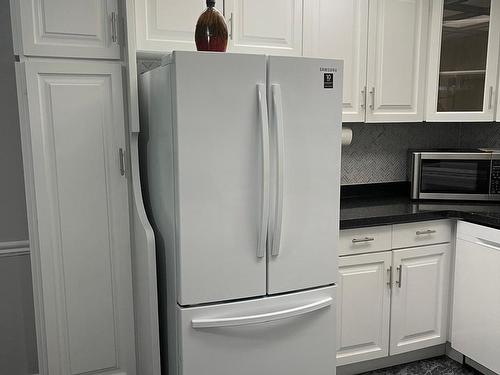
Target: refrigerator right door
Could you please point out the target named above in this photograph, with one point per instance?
(305, 117)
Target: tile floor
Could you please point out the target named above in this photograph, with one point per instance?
(433, 366)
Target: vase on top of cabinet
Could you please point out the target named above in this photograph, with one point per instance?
(463, 60)
(211, 30)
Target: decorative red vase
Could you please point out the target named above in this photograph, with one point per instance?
(211, 30)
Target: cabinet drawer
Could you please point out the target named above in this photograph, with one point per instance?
(421, 233)
(365, 240)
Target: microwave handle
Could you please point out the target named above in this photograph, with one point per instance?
(415, 175)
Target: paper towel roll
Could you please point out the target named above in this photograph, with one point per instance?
(346, 136)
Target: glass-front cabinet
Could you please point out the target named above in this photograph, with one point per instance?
(463, 60)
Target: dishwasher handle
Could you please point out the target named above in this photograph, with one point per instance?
(491, 244)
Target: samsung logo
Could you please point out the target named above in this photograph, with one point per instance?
(329, 70)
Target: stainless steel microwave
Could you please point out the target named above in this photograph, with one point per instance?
(455, 174)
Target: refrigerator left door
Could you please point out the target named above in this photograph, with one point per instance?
(292, 334)
(221, 159)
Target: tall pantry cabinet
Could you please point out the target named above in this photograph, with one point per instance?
(74, 142)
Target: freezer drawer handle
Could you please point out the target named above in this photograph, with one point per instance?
(262, 318)
(264, 123)
(280, 169)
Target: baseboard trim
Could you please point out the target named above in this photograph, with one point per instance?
(375, 364)
(460, 358)
(454, 354)
(477, 366)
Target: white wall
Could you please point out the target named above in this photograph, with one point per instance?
(17, 320)
(17, 323)
(13, 224)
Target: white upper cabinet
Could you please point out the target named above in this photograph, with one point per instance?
(397, 46)
(62, 28)
(167, 25)
(72, 131)
(364, 300)
(419, 312)
(383, 44)
(339, 29)
(263, 26)
(463, 60)
(258, 26)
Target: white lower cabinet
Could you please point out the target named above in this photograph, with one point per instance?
(392, 301)
(419, 312)
(73, 134)
(364, 297)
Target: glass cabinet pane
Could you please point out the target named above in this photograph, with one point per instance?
(464, 50)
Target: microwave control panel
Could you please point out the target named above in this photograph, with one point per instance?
(495, 177)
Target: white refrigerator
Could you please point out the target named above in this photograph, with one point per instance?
(240, 163)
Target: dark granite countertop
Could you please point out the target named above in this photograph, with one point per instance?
(394, 207)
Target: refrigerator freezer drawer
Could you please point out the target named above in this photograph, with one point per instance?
(291, 334)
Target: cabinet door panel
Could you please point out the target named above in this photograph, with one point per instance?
(363, 307)
(419, 298)
(81, 240)
(262, 26)
(65, 28)
(167, 25)
(396, 60)
(463, 61)
(339, 29)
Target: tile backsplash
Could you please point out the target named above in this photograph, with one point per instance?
(378, 152)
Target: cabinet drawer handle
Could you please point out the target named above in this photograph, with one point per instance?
(389, 271)
(366, 239)
(422, 232)
(400, 271)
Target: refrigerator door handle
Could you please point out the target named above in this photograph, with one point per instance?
(280, 170)
(264, 122)
(262, 318)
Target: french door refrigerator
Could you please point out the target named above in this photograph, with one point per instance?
(240, 169)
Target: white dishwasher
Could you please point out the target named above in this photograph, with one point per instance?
(476, 295)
